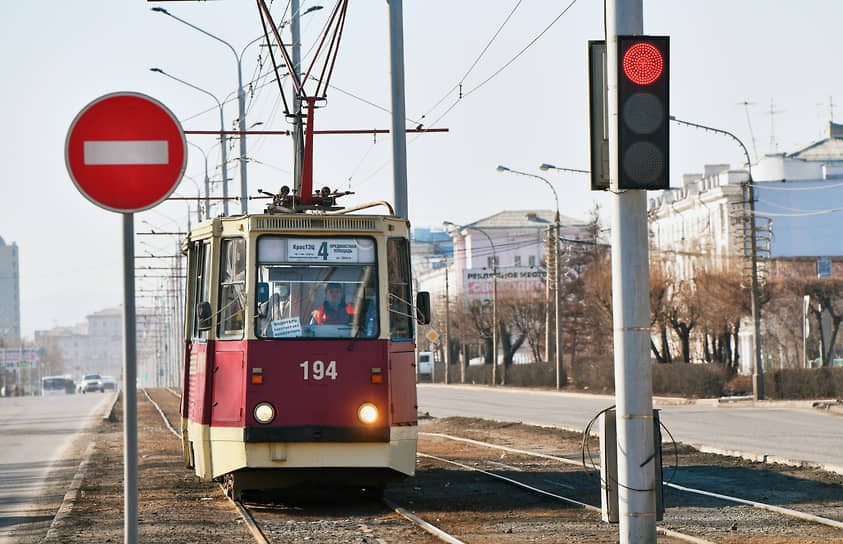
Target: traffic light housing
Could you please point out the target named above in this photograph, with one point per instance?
(643, 112)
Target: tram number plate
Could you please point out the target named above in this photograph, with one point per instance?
(319, 370)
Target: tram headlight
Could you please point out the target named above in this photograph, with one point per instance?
(264, 412)
(367, 413)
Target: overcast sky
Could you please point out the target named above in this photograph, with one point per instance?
(59, 56)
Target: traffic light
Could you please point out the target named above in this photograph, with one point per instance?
(643, 112)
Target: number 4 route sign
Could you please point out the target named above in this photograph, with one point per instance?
(125, 152)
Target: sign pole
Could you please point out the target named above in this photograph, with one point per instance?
(126, 153)
(130, 392)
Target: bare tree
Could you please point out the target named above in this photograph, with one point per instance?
(826, 297)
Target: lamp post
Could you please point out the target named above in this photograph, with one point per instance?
(494, 294)
(241, 103)
(749, 194)
(207, 185)
(556, 285)
(223, 147)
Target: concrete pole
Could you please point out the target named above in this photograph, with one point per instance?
(241, 105)
(399, 135)
(298, 127)
(548, 350)
(556, 285)
(224, 158)
(447, 326)
(631, 312)
(758, 366)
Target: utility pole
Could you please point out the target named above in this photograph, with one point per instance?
(631, 313)
(447, 326)
(298, 130)
(548, 289)
(556, 286)
(398, 131)
(758, 366)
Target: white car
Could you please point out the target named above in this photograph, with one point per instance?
(91, 382)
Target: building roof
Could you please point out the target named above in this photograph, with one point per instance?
(524, 218)
(827, 149)
(108, 312)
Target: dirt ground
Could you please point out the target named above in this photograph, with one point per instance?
(175, 507)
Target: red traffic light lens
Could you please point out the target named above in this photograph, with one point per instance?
(643, 63)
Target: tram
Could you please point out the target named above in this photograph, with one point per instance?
(299, 366)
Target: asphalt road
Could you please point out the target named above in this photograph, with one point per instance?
(771, 429)
(37, 438)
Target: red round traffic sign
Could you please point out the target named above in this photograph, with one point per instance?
(125, 152)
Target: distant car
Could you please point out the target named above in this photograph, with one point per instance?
(109, 383)
(425, 363)
(91, 382)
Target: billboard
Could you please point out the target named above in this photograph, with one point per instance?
(478, 284)
(12, 358)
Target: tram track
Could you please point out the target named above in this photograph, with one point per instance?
(687, 489)
(380, 521)
(260, 529)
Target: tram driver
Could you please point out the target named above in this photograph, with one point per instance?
(334, 310)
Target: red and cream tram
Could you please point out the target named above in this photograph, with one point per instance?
(299, 351)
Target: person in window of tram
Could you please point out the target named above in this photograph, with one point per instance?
(334, 310)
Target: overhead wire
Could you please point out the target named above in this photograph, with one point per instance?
(473, 64)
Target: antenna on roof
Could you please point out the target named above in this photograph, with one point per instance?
(774, 147)
(746, 106)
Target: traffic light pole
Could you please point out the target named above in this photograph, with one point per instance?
(631, 312)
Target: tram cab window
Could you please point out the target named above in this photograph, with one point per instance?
(232, 300)
(400, 292)
(316, 287)
(200, 263)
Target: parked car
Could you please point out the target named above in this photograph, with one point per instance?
(91, 382)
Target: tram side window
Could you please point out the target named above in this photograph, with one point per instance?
(400, 291)
(232, 287)
(201, 263)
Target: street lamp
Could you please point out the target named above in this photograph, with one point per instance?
(545, 167)
(755, 302)
(555, 238)
(223, 146)
(494, 294)
(241, 103)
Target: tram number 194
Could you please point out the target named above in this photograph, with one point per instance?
(318, 370)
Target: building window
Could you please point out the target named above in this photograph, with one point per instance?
(491, 262)
(517, 260)
(532, 260)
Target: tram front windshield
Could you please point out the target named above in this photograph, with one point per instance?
(316, 287)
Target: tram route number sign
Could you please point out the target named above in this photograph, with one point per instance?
(316, 250)
(125, 152)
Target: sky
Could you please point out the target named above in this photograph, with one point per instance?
(507, 78)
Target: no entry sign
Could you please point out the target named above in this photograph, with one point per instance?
(125, 152)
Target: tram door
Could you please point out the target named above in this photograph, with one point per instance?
(230, 347)
(402, 348)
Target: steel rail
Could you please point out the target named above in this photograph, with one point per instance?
(762, 506)
(432, 529)
(669, 532)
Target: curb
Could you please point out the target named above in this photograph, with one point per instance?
(70, 497)
(768, 459)
(109, 415)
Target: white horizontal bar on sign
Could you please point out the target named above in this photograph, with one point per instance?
(126, 152)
